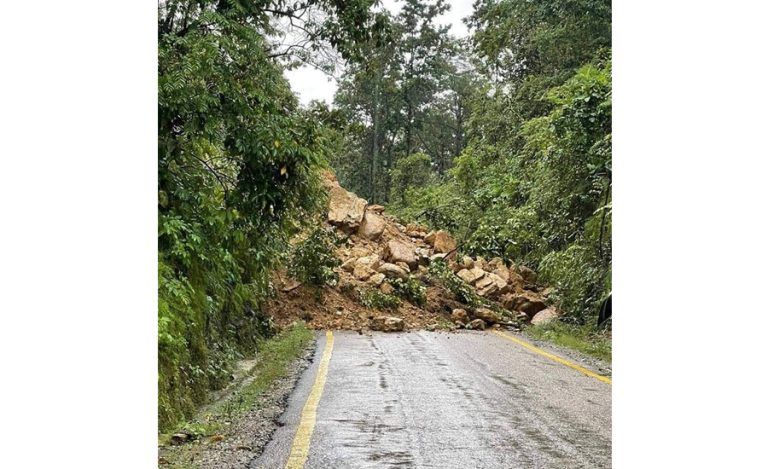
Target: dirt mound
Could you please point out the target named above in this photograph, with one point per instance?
(385, 281)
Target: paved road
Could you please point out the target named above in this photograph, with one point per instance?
(439, 400)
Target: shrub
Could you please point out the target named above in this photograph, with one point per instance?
(313, 260)
(411, 290)
(373, 298)
(576, 276)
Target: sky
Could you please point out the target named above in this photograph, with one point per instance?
(310, 83)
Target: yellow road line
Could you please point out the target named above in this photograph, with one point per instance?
(560, 360)
(300, 447)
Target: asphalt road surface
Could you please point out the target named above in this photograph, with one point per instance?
(441, 400)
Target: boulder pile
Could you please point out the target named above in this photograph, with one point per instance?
(379, 249)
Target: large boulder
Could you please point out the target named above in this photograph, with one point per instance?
(526, 302)
(372, 226)
(345, 209)
(544, 316)
(491, 285)
(488, 315)
(471, 275)
(443, 242)
(400, 251)
(387, 324)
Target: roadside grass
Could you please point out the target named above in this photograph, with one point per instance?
(585, 339)
(274, 357)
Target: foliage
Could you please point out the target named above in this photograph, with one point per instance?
(237, 176)
(376, 299)
(411, 290)
(410, 171)
(313, 260)
(275, 356)
(410, 94)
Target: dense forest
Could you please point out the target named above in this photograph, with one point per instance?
(502, 137)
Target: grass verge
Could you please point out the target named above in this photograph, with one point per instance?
(274, 357)
(585, 339)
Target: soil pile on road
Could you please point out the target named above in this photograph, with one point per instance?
(395, 277)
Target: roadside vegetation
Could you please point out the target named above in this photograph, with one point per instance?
(582, 338)
(274, 356)
(238, 176)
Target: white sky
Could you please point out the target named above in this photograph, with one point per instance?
(310, 83)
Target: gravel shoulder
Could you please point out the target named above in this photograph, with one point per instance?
(240, 439)
(600, 366)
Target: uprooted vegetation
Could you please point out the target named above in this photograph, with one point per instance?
(360, 269)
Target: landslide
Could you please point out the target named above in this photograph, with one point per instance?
(393, 277)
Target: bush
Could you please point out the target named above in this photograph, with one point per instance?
(576, 276)
(373, 298)
(411, 290)
(313, 260)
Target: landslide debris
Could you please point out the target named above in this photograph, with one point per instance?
(393, 277)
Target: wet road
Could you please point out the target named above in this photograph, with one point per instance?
(439, 400)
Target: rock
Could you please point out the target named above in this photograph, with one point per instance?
(476, 324)
(403, 266)
(376, 279)
(460, 315)
(179, 438)
(366, 266)
(399, 251)
(480, 263)
(387, 324)
(491, 285)
(472, 275)
(525, 302)
(527, 274)
(376, 208)
(494, 263)
(443, 242)
(497, 267)
(467, 262)
(345, 209)
(415, 227)
(386, 288)
(544, 316)
(392, 270)
(362, 272)
(290, 285)
(372, 226)
(488, 316)
(349, 264)
(373, 261)
(515, 281)
(423, 256)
